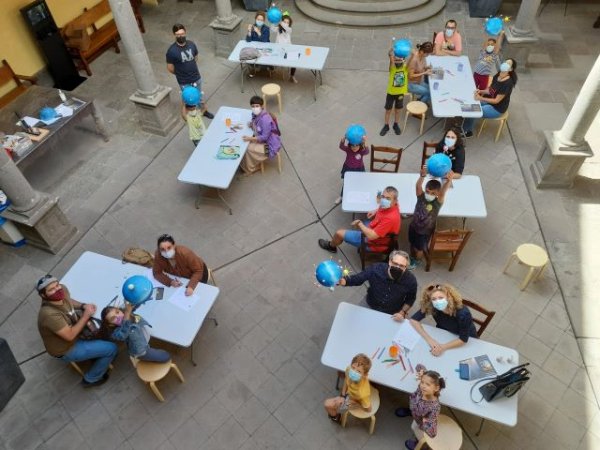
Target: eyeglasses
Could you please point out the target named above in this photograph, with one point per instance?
(44, 278)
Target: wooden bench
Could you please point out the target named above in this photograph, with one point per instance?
(7, 75)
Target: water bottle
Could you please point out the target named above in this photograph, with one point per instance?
(63, 97)
(460, 67)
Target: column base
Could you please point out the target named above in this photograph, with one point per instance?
(514, 36)
(557, 164)
(156, 113)
(520, 46)
(45, 226)
(226, 35)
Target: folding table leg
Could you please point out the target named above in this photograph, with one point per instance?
(242, 75)
(480, 427)
(215, 193)
(192, 355)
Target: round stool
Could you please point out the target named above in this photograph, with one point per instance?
(360, 413)
(151, 372)
(448, 437)
(530, 255)
(271, 90)
(416, 109)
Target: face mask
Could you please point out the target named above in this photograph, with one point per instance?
(118, 320)
(354, 375)
(259, 23)
(180, 39)
(396, 273)
(489, 48)
(385, 203)
(57, 296)
(449, 141)
(440, 304)
(168, 254)
(449, 32)
(429, 197)
(505, 67)
(256, 110)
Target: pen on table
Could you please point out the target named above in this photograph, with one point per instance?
(404, 376)
(410, 365)
(224, 140)
(445, 93)
(402, 361)
(442, 101)
(382, 350)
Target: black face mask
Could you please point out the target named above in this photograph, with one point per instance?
(180, 39)
(398, 65)
(396, 273)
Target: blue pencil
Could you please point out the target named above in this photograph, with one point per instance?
(382, 350)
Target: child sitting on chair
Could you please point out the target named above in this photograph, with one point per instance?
(120, 325)
(356, 392)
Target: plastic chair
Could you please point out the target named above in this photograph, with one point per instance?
(448, 437)
(489, 315)
(416, 109)
(271, 90)
(360, 413)
(534, 257)
(448, 242)
(503, 118)
(383, 162)
(278, 157)
(151, 372)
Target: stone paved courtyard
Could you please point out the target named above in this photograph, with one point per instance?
(259, 383)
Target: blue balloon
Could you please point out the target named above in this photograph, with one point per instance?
(355, 134)
(328, 273)
(402, 48)
(190, 96)
(439, 165)
(493, 26)
(137, 289)
(47, 113)
(274, 15)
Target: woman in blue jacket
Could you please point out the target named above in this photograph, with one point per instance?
(258, 32)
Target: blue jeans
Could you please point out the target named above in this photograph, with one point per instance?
(489, 112)
(156, 355)
(103, 352)
(420, 89)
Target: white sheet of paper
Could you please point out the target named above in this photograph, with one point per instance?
(63, 110)
(181, 301)
(31, 121)
(51, 121)
(358, 197)
(407, 336)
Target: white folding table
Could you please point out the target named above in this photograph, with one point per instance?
(456, 88)
(203, 167)
(463, 199)
(362, 330)
(98, 279)
(283, 55)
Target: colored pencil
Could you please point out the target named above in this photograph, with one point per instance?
(375, 354)
(410, 365)
(393, 363)
(382, 350)
(402, 361)
(388, 360)
(404, 376)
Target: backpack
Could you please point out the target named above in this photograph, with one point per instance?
(248, 53)
(137, 256)
(275, 130)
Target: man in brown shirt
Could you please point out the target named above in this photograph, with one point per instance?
(60, 327)
(179, 261)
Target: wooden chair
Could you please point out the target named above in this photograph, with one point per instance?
(483, 323)
(7, 75)
(448, 437)
(383, 162)
(449, 243)
(151, 372)
(502, 120)
(360, 413)
(428, 150)
(391, 243)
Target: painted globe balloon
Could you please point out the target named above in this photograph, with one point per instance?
(355, 134)
(47, 113)
(402, 48)
(439, 165)
(274, 15)
(328, 273)
(137, 289)
(190, 96)
(493, 26)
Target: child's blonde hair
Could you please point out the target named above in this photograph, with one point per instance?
(363, 361)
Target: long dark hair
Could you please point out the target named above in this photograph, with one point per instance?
(285, 16)
(437, 379)
(513, 72)
(457, 132)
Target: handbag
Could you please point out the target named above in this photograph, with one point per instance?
(504, 385)
(248, 54)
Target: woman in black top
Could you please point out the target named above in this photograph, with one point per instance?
(452, 146)
(444, 304)
(495, 99)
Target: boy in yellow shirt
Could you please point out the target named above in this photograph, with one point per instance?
(191, 115)
(396, 88)
(356, 392)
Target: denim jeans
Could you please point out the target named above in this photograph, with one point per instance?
(489, 112)
(103, 352)
(420, 89)
(155, 355)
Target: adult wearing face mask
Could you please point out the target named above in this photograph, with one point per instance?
(392, 289)
(444, 303)
(266, 141)
(495, 99)
(182, 61)
(61, 321)
(384, 221)
(258, 31)
(171, 259)
(453, 147)
(449, 41)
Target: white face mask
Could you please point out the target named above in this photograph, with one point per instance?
(256, 110)
(505, 67)
(429, 197)
(449, 32)
(440, 303)
(489, 48)
(169, 254)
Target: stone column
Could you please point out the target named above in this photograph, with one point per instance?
(521, 35)
(157, 114)
(36, 215)
(566, 149)
(225, 28)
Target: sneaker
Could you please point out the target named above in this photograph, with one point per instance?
(396, 129)
(338, 200)
(87, 384)
(410, 444)
(414, 263)
(208, 115)
(403, 412)
(325, 245)
(469, 134)
(384, 130)
(293, 80)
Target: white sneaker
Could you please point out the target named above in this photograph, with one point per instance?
(338, 200)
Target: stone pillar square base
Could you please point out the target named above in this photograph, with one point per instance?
(156, 113)
(519, 47)
(557, 164)
(226, 35)
(45, 226)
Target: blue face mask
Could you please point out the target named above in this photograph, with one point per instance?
(259, 23)
(449, 32)
(440, 303)
(505, 67)
(449, 141)
(354, 375)
(385, 203)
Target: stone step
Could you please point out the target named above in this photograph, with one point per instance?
(372, 18)
(372, 7)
